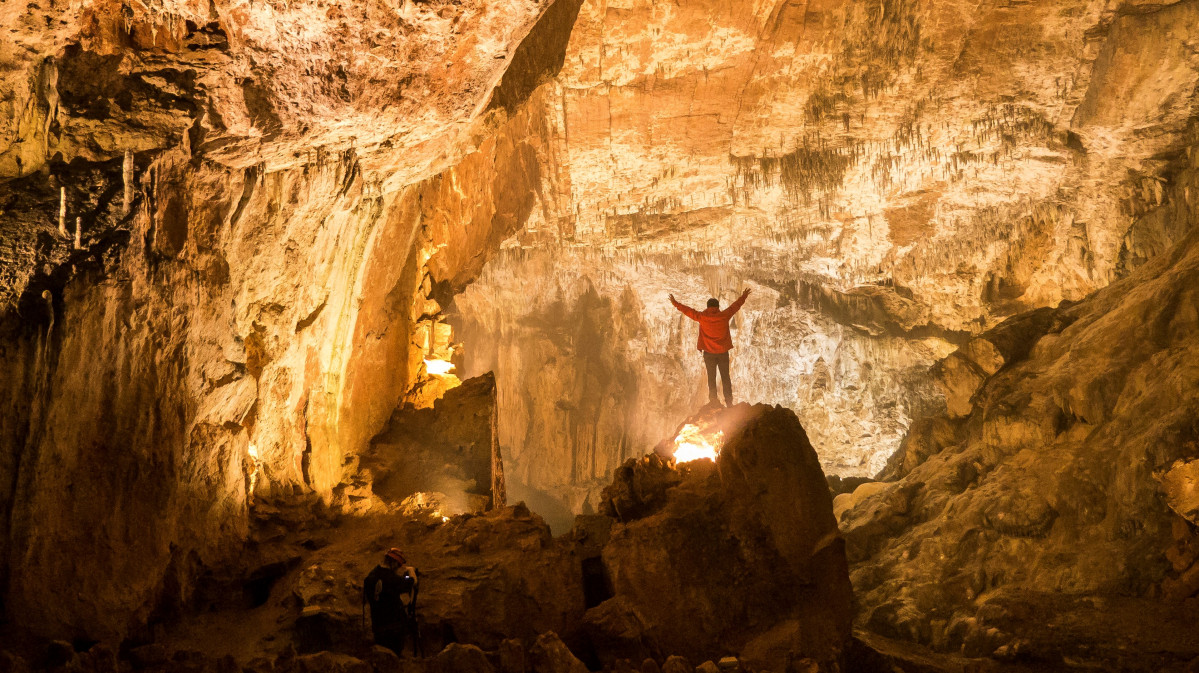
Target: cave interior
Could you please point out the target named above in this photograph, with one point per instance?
(286, 284)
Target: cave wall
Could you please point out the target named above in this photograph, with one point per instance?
(169, 375)
(246, 305)
(890, 177)
(1059, 481)
(444, 459)
(308, 185)
(592, 370)
(1055, 483)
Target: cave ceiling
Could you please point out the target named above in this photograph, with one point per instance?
(926, 144)
(940, 147)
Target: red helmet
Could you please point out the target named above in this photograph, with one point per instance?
(395, 555)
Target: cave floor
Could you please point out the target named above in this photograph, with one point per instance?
(297, 589)
(303, 559)
(297, 586)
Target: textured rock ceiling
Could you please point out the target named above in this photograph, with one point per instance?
(253, 82)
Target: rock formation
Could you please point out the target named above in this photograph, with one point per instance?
(890, 177)
(445, 459)
(236, 237)
(1061, 490)
(740, 556)
(745, 548)
(300, 207)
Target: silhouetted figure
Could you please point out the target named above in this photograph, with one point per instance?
(715, 341)
(384, 590)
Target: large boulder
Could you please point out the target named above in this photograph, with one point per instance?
(731, 550)
(444, 458)
(639, 487)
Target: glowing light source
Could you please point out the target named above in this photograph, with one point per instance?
(254, 474)
(438, 367)
(692, 444)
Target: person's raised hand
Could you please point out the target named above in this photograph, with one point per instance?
(672, 299)
(745, 293)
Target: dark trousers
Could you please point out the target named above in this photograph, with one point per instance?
(714, 361)
(391, 636)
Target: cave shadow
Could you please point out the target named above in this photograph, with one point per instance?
(555, 513)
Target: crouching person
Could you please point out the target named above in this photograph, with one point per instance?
(390, 590)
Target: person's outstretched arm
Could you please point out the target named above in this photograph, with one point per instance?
(735, 306)
(686, 310)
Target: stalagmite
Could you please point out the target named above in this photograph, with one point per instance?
(62, 212)
(78, 233)
(127, 179)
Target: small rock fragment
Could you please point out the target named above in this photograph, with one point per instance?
(13, 663)
(148, 655)
(459, 658)
(59, 653)
(383, 660)
(550, 655)
(512, 657)
(677, 664)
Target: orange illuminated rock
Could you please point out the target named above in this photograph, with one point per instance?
(444, 459)
(717, 554)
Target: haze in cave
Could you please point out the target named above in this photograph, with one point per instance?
(338, 337)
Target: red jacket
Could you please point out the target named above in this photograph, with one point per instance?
(714, 334)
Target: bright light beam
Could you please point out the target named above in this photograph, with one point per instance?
(692, 444)
(438, 367)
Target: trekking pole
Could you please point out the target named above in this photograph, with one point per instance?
(418, 646)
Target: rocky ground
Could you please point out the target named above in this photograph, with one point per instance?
(690, 564)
